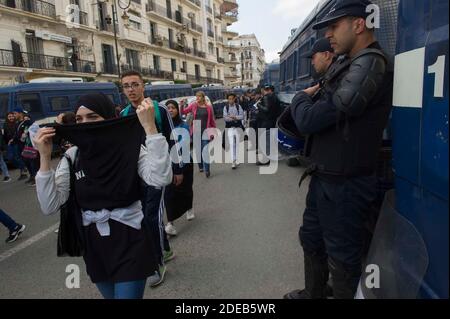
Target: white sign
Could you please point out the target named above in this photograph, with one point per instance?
(45, 35)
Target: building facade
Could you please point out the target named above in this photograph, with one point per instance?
(180, 40)
(251, 60)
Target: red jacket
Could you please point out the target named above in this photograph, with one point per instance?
(193, 107)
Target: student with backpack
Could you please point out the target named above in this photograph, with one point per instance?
(153, 197)
(106, 169)
(234, 117)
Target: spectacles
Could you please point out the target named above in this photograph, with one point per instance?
(132, 86)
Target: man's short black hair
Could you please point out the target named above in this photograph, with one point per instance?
(231, 94)
(132, 73)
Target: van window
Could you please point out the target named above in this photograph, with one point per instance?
(304, 65)
(4, 99)
(30, 102)
(59, 103)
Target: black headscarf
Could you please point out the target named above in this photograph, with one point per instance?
(176, 120)
(99, 103)
(108, 154)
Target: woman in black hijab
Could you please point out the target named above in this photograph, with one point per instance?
(108, 165)
(179, 199)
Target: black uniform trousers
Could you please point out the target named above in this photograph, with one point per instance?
(334, 221)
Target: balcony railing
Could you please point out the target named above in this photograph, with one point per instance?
(147, 72)
(103, 26)
(201, 79)
(211, 33)
(195, 26)
(84, 18)
(173, 15)
(33, 6)
(231, 14)
(196, 2)
(220, 60)
(109, 68)
(199, 54)
(46, 62)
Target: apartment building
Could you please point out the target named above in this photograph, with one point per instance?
(179, 40)
(251, 60)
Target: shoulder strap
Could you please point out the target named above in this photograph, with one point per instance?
(158, 116)
(126, 111)
(370, 51)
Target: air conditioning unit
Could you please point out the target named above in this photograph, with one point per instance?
(59, 62)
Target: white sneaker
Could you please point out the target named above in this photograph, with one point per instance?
(234, 165)
(171, 230)
(190, 215)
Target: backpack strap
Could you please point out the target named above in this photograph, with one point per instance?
(158, 117)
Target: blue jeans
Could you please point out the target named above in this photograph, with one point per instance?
(15, 157)
(122, 290)
(3, 166)
(7, 221)
(204, 161)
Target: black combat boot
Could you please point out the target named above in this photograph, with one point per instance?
(345, 279)
(316, 277)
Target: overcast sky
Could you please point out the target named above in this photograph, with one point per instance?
(271, 21)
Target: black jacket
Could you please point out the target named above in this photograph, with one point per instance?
(347, 119)
(268, 111)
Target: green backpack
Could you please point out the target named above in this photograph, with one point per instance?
(127, 110)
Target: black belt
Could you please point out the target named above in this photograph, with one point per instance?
(310, 170)
(318, 171)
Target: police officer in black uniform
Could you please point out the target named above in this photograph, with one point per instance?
(345, 115)
(322, 57)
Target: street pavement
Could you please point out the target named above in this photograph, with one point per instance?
(243, 243)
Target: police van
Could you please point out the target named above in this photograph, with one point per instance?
(44, 101)
(161, 91)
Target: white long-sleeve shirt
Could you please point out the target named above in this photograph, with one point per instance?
(154, 167)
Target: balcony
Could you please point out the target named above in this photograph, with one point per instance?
(209, 9)
(103, 26)
(220, 60)
(175, 16)
(231, 16)
(199, 54)
(34, 6)
(194, 26)
(109, 68)
(229, 5)
(151, 6)
(201, 79)
(211, 33)
(84, 18)
(195, 2)
(46, 62)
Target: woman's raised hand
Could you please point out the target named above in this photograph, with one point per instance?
(44, 141)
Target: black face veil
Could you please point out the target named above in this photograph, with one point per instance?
(108, 153)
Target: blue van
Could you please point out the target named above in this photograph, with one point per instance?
(44, 101)
(168, 91)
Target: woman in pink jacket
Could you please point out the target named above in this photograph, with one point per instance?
(203, 112)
